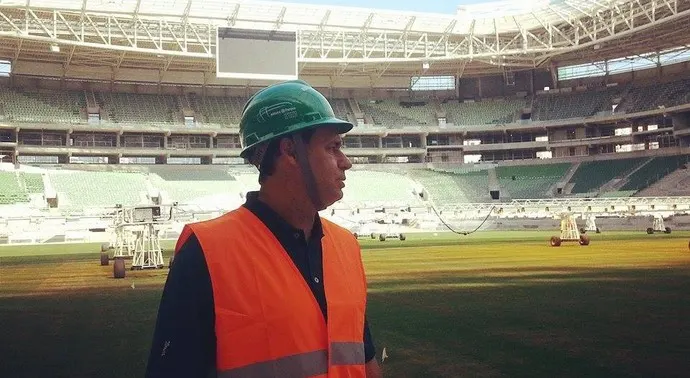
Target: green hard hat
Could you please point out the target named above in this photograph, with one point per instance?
(282, 109)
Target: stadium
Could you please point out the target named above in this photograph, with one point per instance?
(520, 183)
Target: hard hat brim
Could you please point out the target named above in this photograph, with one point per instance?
(341, 125)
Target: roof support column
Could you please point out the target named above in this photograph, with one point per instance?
(554, 75)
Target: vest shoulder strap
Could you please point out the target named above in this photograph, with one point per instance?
(237, 219)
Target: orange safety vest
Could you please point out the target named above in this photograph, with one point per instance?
(267, 321)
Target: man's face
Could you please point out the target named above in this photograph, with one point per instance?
(328, 163)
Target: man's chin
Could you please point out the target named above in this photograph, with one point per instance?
(332, 199)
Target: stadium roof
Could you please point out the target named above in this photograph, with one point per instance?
(179, 35)
(489, 18)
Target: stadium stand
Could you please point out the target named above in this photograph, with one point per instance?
(573, 105)
(475, 185)
(449, 187)
(606, 178)
(218, 111)
(649, 97)
(196, 190)
(190, 184)
(342, 110)
(676, 183)
(46, 107)
(440, 186)
(69, 107)
(32, 182)
(592, 175)
(653, 171)
(191, 173)
(10, 189)
(530, 181)
(152, 110)
(390, 114)
(378, 188)
(82, 189)
(483, 112)
(208, 186)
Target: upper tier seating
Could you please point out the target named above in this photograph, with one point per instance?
(220, 111)
(342, 109)
(549, 107)
(389, 113)
(69, 107)
(483, 112)
(147, 109)
(650, 97)
(40, 107)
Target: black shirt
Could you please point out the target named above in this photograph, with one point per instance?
(184, 341)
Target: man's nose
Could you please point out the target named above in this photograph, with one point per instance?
(345, 163)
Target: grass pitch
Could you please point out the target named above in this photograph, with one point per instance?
(486, 305)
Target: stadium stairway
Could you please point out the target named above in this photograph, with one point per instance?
(494, 185)
(564, 182)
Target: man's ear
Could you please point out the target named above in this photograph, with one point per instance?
(287, 148)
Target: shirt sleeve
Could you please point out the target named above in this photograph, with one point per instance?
(369, 348)
(184, 341)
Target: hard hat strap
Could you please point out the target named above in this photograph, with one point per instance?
(307, 173)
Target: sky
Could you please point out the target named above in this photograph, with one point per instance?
(433, 6)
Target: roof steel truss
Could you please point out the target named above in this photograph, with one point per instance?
(324, 42)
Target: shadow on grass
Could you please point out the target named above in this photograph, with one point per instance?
(92, 333)
(531, 323)
(586, 322)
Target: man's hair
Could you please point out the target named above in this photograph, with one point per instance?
(267, 166)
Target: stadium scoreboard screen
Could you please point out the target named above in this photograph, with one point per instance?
(256, 54)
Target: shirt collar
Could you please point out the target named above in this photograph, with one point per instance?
(281, 228)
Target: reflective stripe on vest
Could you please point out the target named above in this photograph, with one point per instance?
(301, 365)
(347, 353)
(268, 322)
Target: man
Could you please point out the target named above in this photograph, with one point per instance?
(271, 289)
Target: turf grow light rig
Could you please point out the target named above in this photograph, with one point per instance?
(658, 225)
(569, 232)
(136, 238)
